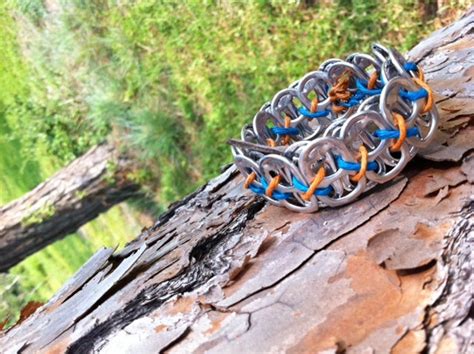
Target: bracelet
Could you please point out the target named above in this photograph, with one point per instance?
(337, 132)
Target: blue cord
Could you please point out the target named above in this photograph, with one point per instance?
(256, 189)
(354, 101)
(304, 111)
(261, 191)
(355, 166)
(414, 95)
(395, 134)
(410, 66)
(362, 87)
(285, 131)
(381, 134)
(351, 103)
(319, 191)
(283, 196)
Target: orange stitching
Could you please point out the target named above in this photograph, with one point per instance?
(421, 74)
(340, 92)
(249, 180)
(364, 156)
(400, 123)
(372, 80)
(429, 99)
(272, 186)
(286, 138)
(271, 142)
(314, 105)
(318, 178)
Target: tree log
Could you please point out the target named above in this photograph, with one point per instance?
(88, 186)
(224, 272)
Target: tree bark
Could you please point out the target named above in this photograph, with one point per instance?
(88, 186)
(222, 271)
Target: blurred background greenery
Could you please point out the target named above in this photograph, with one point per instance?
(171, 80)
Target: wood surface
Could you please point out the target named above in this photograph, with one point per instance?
(78, 193)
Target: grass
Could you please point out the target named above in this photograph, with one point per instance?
(173, 81)
(21, 169)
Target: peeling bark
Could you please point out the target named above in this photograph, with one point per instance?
(88, 186)
(222, 271)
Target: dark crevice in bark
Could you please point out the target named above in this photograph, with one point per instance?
(459, 264)
(314, 253)
(205, 266)
(416, 270)
(174, 341)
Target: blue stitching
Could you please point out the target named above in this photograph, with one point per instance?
(351, 103)
(354, 101)
(282, 196)
(362, 87)
(414, 95)
(261, 191)
(256, 189)
(285, 131)
(304, 111)
(410, 66)
(355, 166)
(395, 134)
(319, 191)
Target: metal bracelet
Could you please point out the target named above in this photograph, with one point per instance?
(338, 131)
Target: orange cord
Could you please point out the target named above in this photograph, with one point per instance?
(421, 74)
(429, 99)
(271, 142)
(314, 105)
(373, 80)
(400, 123)
(340, 92)
(286, 138)
(339, 95)
(364, 157)
(272, 186)
(249, 180)
(318, 178)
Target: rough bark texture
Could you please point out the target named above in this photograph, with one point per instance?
(224, 272)
(75, 195)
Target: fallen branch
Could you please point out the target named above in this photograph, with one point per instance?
(78, 193)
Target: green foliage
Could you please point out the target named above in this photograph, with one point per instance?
(176, 80)
(206, 69)
(80, 194)
(34, 9)
(111, 172)
(13, 295)
(139, 176)
(23, 165)
(40, 215)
